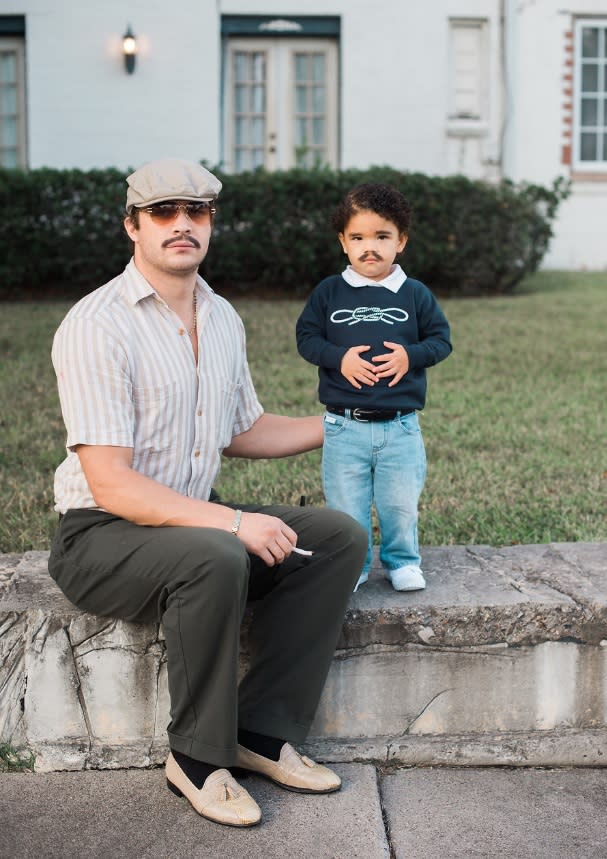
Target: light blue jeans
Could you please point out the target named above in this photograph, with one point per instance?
(381, 463)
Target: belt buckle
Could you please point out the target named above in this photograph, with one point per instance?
(356, 414)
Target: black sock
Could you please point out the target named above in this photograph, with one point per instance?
(269, 747)
(196, 771)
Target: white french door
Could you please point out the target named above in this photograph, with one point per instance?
(280, 103)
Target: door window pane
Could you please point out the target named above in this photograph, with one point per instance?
(301, 67)
(259, 67)
(240, 66)
(249, 108)
(8, 100)
(240, 157)
(259, 98)
(241, 131)
(257, 131)
(301, 137)
(318, 99)
(318, 131)
(240, 99)
(318, 67)
(8, 133)
(8, 67)
(301, 99)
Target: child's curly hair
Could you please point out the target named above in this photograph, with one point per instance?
(374, 197)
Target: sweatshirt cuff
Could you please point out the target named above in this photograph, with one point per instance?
(416, 353)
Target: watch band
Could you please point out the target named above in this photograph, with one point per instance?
(236, 522)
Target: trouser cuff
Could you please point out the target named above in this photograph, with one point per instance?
(201, 752)
(275, 726)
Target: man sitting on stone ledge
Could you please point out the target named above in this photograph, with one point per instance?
(154, 385)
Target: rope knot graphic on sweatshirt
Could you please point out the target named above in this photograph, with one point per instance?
(389, 315)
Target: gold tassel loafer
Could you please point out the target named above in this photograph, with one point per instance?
(220, 799)
(292, 770)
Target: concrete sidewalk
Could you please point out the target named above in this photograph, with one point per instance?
(426, 813)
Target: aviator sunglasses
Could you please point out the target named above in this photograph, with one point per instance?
(162, 213)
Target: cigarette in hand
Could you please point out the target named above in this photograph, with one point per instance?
(302, 551)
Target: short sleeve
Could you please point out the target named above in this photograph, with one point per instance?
(95, 388)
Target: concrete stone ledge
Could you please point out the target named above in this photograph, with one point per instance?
(564, 747)
(502, 659)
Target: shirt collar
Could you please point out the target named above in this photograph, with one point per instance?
(393, 281)
(136, 287)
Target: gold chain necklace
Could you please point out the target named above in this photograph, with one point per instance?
(192, 328)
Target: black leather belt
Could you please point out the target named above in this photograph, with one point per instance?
(365, 415)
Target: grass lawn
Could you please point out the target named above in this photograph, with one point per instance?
(514, 424)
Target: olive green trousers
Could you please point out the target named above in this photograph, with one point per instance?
(197, 583)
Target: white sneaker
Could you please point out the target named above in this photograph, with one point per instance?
(364, 577)
(408, 578)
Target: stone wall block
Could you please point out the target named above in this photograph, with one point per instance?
(12, 676)
(52, 705)
(118, 670)
(60, 754)
(591, 687)
(555, 669)
(425, 690)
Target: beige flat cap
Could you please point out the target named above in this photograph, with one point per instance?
(170, 179)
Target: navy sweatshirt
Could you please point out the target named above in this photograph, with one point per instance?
(338, 316)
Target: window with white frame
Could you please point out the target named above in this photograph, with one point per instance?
(590, 95)
(12, 103)
(279, 91)
(280, 103)
(468, 69)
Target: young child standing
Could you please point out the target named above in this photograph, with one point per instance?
(372, 331)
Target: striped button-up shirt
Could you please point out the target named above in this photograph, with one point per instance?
(127, 377)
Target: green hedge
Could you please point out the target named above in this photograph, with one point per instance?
(62, 232)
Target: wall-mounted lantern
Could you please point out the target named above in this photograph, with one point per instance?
(129, 49)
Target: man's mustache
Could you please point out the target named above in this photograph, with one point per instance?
(372, 254)
(180, 239)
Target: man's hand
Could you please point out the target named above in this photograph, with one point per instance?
(394, 363)
(356, 369)
(267, 537)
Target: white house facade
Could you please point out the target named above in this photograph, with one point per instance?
(488, 88)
